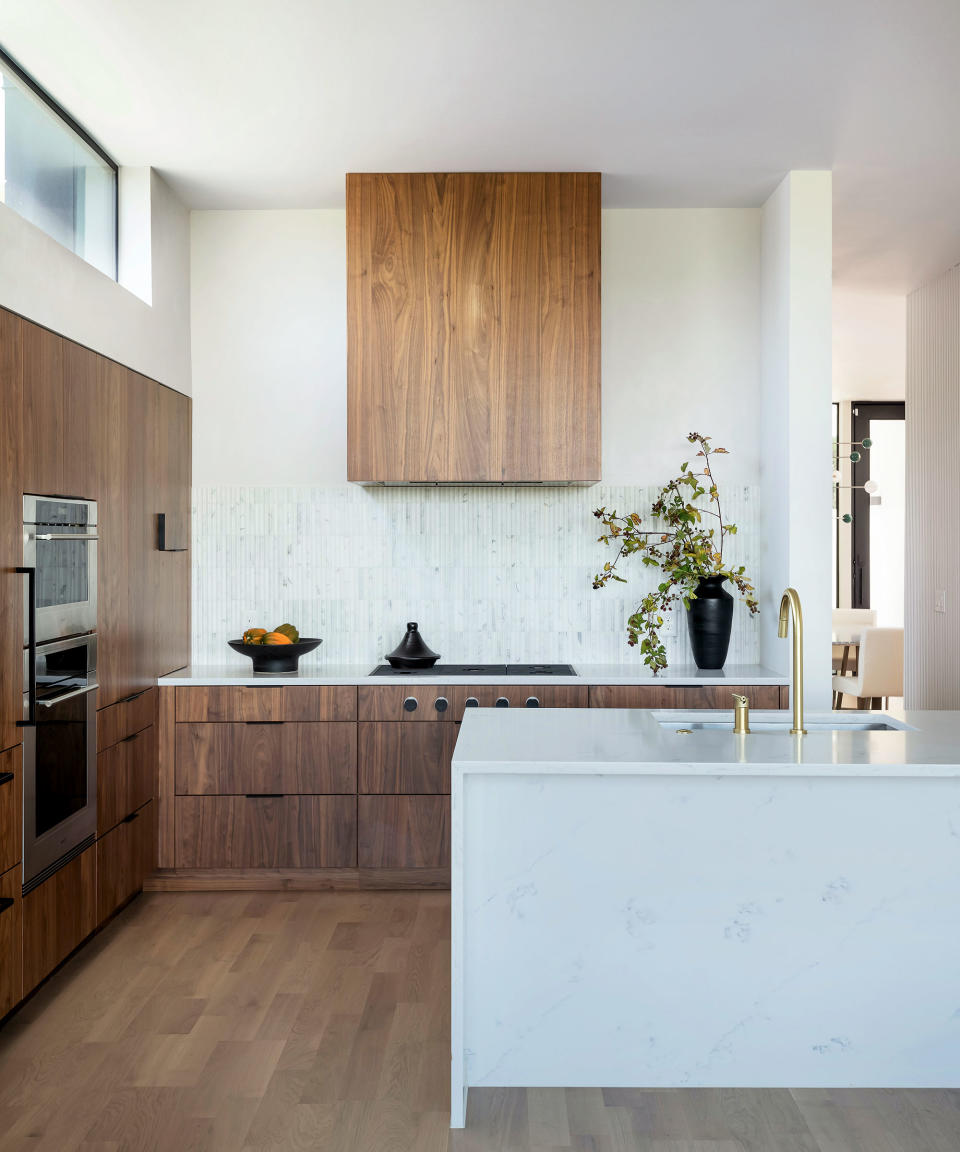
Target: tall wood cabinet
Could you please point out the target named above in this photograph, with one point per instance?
(473, 327)
(74, 423)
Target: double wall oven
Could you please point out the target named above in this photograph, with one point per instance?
(60, 682)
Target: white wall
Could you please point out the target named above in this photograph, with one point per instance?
(932, 639)
(680, 344)
(796, 260)
(48, 284)
(869, 345)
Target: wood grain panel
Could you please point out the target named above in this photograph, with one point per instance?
(126, 778)
(58, 916)
(42, 420)
(11, 941)
(319, 702)
(168, 491)
(127, 716)
(405, 758)
(11, 531)
(81, 423)
(680, 696)
(296, 879)
(225, 703)
(220, 759)
(125, 856)
(473, 326)
(403, 831)
(11, 807)
(385, 702)
(276, 832)
(167, 771)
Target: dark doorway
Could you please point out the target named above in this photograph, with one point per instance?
(877, 535)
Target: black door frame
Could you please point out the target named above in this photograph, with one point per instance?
(861, 413)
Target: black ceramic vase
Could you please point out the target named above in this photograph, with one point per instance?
(709, 621)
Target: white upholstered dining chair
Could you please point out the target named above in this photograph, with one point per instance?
(879, 669)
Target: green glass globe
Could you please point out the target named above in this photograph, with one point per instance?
(867, 442)
(847, 518)
(855, 457)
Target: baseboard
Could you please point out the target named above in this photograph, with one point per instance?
(295, 879)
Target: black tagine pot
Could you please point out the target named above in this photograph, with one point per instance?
(709, 621)
(412, 652)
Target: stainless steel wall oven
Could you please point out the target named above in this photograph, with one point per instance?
(60, 544)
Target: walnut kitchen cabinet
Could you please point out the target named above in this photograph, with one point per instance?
(687, 696)
(125, 857)
(473, 327)
(11, 941)
(58, 916)
(11, 530)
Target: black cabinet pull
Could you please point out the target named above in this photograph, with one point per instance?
(6, 902)
(129, 739)
(6, 777)
(134, 696)
(31, 720)
(130, 819)
(261, 723)
(264, 795)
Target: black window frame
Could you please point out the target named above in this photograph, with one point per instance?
(8, 62)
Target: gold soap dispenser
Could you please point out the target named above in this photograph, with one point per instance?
(741, 715)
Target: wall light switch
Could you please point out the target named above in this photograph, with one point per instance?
(940, 602)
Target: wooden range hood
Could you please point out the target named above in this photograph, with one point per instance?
(473, 328)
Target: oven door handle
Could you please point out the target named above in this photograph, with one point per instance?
(31, 720)
(62, 536)
(67, 696)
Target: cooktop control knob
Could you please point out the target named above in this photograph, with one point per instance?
(532, 702)
(410, 704)
(440, 704)
(473, 702)
(502, 702)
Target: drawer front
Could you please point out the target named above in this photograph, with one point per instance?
(11, 807)
(125, 856)
(58, 916)
(403, 831)
(224, 759)
(266, 832)
(411, 758)
(219, 703)
(319, 702)
(705, 696)
(126, 778)
(11, 941)
(389, 702)
(126, 717)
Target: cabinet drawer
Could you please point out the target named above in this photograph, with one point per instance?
(11, 807)
(11, 941)
(224, 703)
(412, 758)
(125, 856)
(403, 831)
(58, 916)
(266, 832)
(390, 702)
(220, 759)
(126, 778)
(126, 717)
(663, 696)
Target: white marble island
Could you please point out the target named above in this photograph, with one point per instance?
(635, 907)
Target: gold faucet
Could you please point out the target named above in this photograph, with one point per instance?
(741, 715)
(790, 606)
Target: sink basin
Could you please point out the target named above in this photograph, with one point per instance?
(767, 722)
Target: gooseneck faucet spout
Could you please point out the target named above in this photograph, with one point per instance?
(790, 607)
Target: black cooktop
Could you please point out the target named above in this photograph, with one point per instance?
(478, 670)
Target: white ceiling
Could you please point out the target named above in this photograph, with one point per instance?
(249, 104)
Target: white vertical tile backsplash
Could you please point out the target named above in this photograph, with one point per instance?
(490, 573)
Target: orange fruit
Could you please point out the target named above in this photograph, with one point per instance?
(252, 635)
(275, 638)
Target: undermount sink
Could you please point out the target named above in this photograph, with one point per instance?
(763, 723)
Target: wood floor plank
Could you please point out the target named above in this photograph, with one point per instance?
(279, 1022)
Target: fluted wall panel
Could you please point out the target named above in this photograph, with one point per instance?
(932, 639)
(490, 573)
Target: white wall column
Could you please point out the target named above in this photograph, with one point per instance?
(795, 397)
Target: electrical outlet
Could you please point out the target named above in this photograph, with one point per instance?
(940, 601)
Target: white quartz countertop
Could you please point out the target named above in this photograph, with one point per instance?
(677, 675)
(624, 742)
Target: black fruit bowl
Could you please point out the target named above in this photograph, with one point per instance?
(275, 659)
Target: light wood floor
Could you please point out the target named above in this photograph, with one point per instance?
(248, 1023)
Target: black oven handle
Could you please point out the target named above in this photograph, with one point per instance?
(31, 720)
